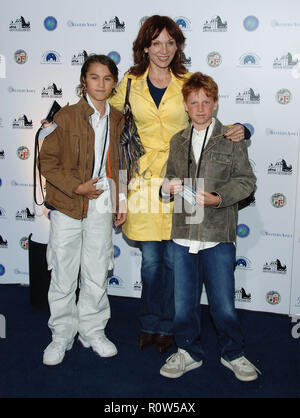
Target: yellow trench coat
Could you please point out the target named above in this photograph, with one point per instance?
(148, 218)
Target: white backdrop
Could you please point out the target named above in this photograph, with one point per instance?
(250, 48)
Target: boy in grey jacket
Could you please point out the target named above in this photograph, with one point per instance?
(208, 175)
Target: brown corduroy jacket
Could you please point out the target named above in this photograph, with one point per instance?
(67, 158)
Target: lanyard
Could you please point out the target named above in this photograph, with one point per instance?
(189, 153)
(104, 147)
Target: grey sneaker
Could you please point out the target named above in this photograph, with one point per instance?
(55, 352)
(178, 364)
(242, 368)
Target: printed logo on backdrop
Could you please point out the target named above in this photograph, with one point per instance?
(51, 57)
(115, 56)
(283, 96)
(19, 24)
(79, 58)
(276, 24)
(3, 242)
(117, 251)
(137, 285)
(11, 89)
(275, 266)
(278, 200)
(2, 213)
(23, 152)
(115, 282)
(143, 20)
(270, 131)
(275, 234)
(187, 61)
(18, 271)
(249, 60)
(1, 123)
(285, 62)
(215, 25)
(242, 230)
(243, 263)
(280, 168)
(113, 25)
(247, 97)
(20, 56)
(297, 304)
(50, 23)
(79, 91)
(2, 270)
(24, 243)
(242, 296)
(251, 23)
(51, 92)
(273, 297)
(214, 59)
(22, 123)
(14, 183)
(183, 22)
(2, 154)
(25, 215)
(72, 24)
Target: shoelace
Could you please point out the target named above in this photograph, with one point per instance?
(176, 358)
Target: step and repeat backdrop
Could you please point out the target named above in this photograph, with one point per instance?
(250, 48)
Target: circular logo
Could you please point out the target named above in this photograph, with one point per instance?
(251, 23)
(23, 152)
(24, 243)
(50, 23)
(284, 96)
(79, 90)
(115, 56)
(214, 59)
(278, 200)
(20, 56)
(273, 297)
(117, 251)
(2, 270)
(242, 230)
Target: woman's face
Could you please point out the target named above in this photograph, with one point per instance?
(162, 50)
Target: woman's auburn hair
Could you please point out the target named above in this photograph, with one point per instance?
(149, 31)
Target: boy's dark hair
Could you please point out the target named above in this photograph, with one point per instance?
(200, 81)
(101, 59)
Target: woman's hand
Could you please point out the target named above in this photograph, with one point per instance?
(235, 133)
(121, 215)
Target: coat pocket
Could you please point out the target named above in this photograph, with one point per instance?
(219, 166)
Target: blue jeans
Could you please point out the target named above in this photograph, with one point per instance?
(157, 298)
(215, 267)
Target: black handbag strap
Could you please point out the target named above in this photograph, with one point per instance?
(36, 164)
(127, 93)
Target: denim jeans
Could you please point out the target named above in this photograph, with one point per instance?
(157, 298)
(215, 268)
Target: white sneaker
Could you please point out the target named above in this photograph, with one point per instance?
(101, 345)
(178, 364)
(55, 352)
(242, 368)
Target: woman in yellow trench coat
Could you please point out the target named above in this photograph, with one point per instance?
(157, 106)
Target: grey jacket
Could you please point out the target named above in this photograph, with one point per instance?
(226, 171)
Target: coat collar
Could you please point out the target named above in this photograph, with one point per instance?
(217, 133)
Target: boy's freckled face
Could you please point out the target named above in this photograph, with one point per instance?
(200, 108)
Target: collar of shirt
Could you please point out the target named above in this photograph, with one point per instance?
(198, 138)
(95, 117)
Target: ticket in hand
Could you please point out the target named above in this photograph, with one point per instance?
(102, 184)
(189, 194)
